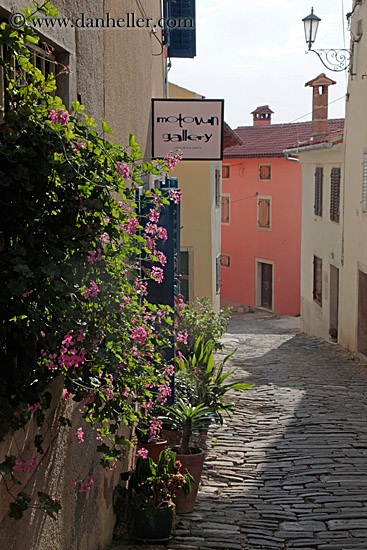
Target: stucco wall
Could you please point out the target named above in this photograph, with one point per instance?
(200, 218)
(320, 237)
(355, 234)
(116, 74)
(247, 244)
(87, 519)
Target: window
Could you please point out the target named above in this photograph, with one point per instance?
(264, 213)
(317, 279)
(217, 187)
(225, 260)
(335, 194)
(319, 174)
(226, 171)
(184, 278)
(364, 184)
(225, 208)
(264, 172)
(217, 273)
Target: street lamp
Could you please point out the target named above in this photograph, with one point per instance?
(332, 59)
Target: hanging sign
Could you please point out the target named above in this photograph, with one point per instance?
(193, 125)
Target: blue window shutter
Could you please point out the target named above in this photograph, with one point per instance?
(181, 42)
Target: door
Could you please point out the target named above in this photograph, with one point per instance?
(334, 302)
(267, 286)
(362, 313)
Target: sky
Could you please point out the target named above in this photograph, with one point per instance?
(252, 52)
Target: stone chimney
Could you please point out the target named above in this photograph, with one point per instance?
(262, 116)
(320, 86)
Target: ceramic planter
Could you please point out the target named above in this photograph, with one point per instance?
(154, 449)
(156, 527)
(194, 464)
(173, 437)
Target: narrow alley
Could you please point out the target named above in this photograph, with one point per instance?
(289, 469)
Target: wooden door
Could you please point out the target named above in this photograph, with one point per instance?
(267, 286)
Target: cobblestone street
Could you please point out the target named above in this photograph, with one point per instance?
(289, 469)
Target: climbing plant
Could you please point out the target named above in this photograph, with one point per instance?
(73, 296)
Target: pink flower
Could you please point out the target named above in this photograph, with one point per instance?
(81, 335)
(130, 226)
(143, 453)
(26, 294)
(80, 435)
(91, 291)
(162, 233)
(154, 215)
(161, 257)
(175, 196)
(139, 335)
(157, 274)
(59, 115)
(182, 337)
(123, 169)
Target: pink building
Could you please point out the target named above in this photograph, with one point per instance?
(261, 216)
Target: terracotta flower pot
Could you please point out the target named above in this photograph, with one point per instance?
(194, 464)
(154, 449)
(173, 437)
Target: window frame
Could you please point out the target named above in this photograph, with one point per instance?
(269, 201)
(317, 288)
(218, 193)
(223, 255)
(318, 191)
(335, 177)
(226, 197)
(265, 165)
(226, 167)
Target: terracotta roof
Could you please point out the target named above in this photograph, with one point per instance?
(230, 138)
(270, 141)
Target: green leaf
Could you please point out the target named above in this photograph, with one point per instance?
(107, 129)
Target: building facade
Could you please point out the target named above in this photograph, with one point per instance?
(321, 158)
(261, 217)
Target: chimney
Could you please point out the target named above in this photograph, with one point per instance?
(320, 86)
(262, 116)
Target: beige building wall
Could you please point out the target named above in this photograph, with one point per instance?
(115, 74)
(200, 216)
(320, 237)
(355, 234)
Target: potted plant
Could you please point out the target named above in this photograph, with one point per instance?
(211, 381)
(190, 419)
(147, 503)
(148, 432)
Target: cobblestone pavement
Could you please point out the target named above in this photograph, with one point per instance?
(289, 469)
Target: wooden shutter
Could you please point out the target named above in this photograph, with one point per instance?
(217, 187)
(317, 279)
(180, 40)
(265, 172)
(364, 184)
(319, 174)
(335, 194)
(225, 171)
(264, 213)
(225, 209)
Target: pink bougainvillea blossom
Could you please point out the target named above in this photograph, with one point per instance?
(130, 226)
(154, 215)
(139, 335)
(171, 160)
(155, 426)
(182, 337)
(162, 233)
(123, 169)
(80, 435)
(26, 466)
(91, 291)
(66, 394)
(175, 196)
(59, 115)
(151, 228)
(164, 392)
(143, 453)
(157, 274)
(26, 294)
(95, 256)
(161, 257)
